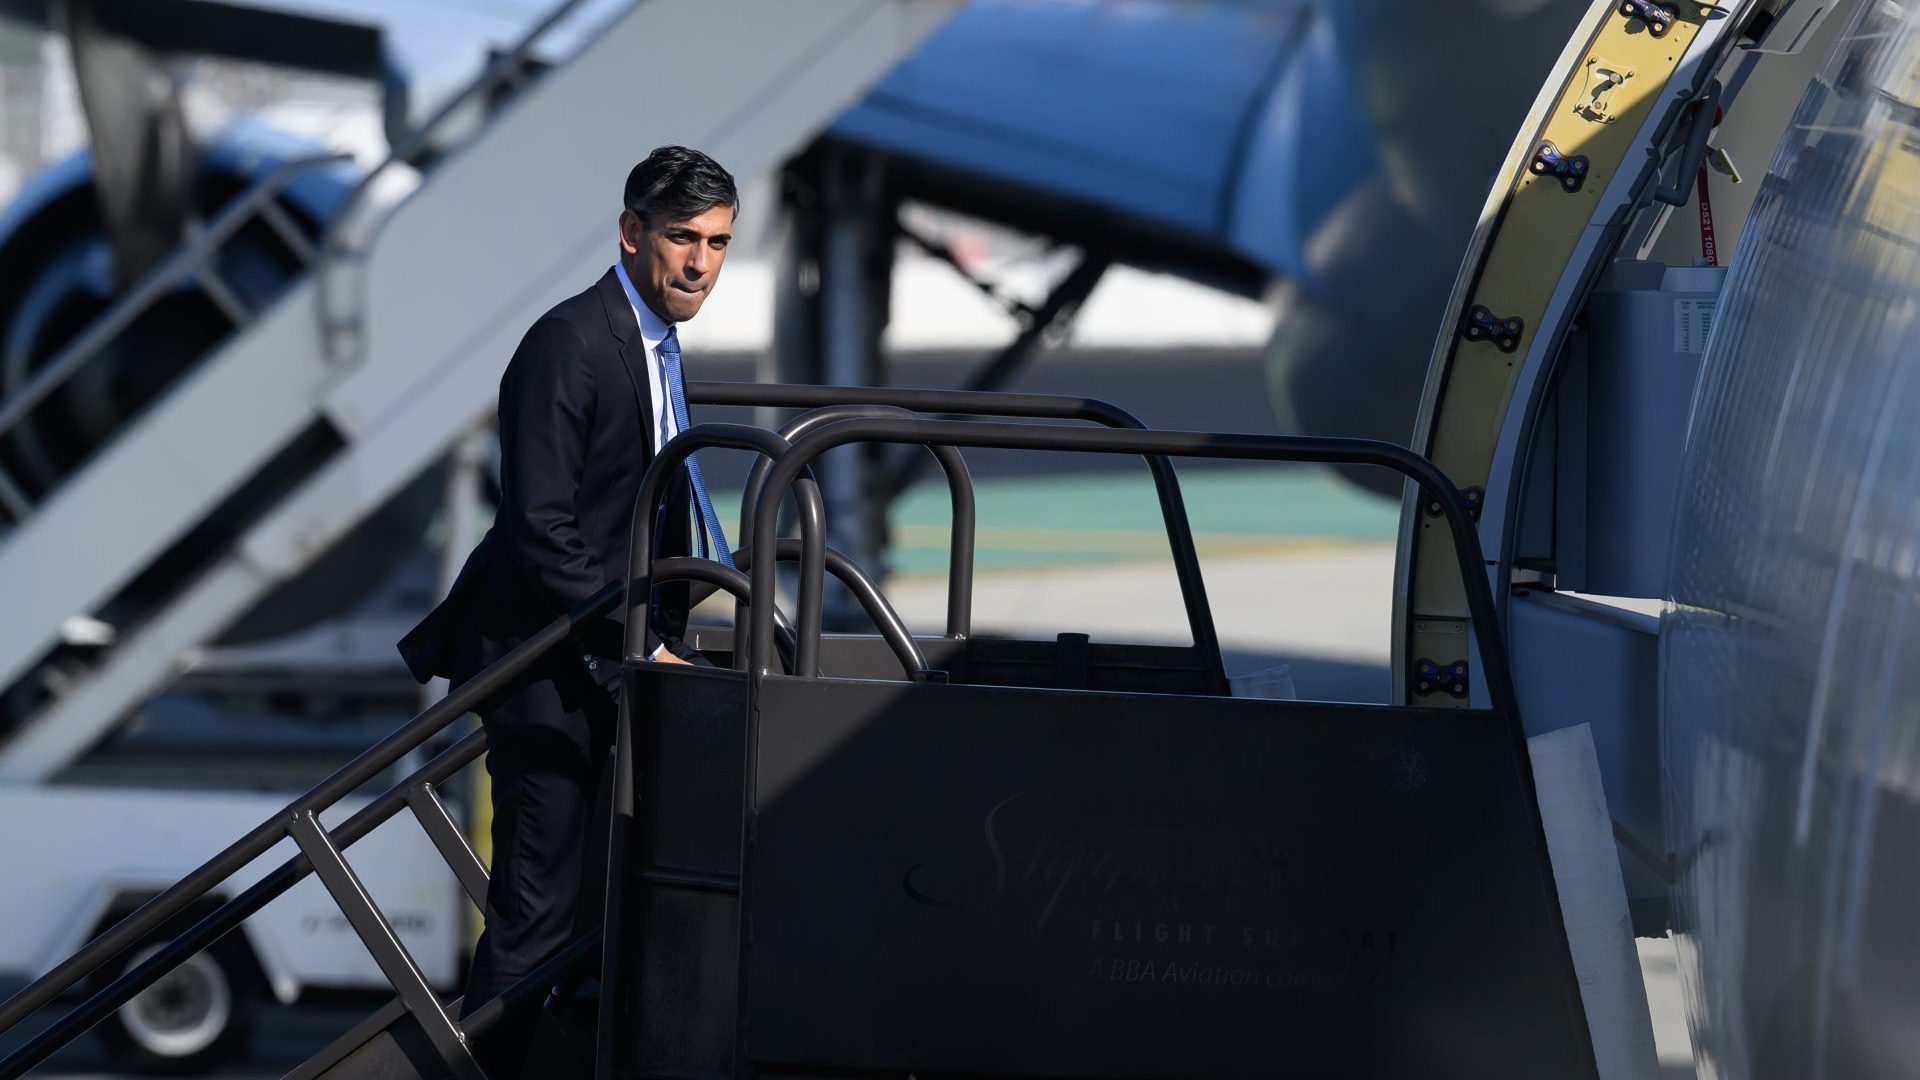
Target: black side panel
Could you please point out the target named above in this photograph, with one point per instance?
(688, 986)
(954, 879)
(683, 970)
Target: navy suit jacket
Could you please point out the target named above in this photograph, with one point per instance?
(576, 436)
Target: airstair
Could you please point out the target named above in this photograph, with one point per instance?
(330, 399)
(722, 953)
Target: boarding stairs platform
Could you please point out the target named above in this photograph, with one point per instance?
(896, 854)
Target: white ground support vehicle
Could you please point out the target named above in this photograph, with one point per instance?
(227, 746)
(117, 847)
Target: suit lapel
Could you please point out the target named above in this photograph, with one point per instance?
(633, 349)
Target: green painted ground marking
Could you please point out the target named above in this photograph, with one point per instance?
(1114, 517)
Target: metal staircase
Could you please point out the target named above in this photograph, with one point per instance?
(320, 407)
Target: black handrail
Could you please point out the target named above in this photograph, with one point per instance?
(960, 551)
(155, 913)
(717, 577)
(348, 778)
(209, 929)
(668, 464)
(1493, 656)
(1173, 507)
(813, 550)
(893, 629)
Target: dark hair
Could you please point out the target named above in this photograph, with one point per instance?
(678, 183)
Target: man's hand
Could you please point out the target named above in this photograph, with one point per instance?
(664, 655)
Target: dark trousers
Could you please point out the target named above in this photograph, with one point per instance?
(547, 744)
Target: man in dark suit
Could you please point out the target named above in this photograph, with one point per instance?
(590, 396)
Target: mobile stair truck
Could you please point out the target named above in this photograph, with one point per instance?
(889, 855)
(965, 855)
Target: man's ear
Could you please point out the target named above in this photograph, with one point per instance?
(632, 232)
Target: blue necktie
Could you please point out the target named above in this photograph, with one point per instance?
(677, 398)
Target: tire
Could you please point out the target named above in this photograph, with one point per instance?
(196, 1017)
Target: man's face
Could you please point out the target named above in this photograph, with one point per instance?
(674, 264)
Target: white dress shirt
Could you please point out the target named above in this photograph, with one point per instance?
(653, 331)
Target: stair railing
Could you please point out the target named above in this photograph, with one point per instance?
(342, 312)
(322, 852)
(194, 263)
